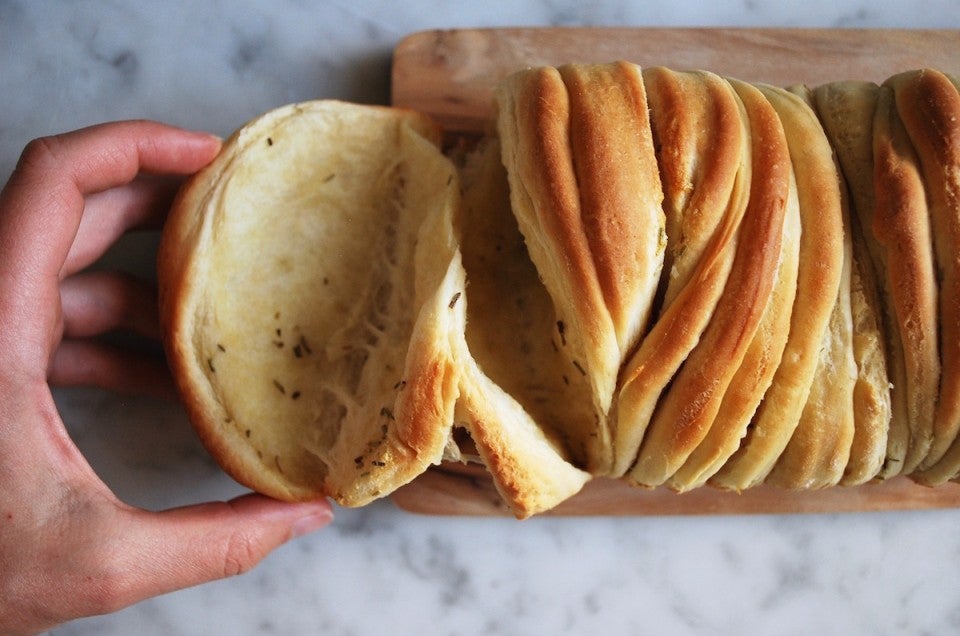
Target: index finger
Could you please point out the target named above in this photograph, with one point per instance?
(42, 204)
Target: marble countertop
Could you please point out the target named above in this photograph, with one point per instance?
(214, 65)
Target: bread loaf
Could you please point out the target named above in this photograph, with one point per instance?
(669, 278)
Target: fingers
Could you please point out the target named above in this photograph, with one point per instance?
(105, 556)
(42, 204)
(140, 204)
(98, 302)
(41, 209)
(180, 548)
(97, 364)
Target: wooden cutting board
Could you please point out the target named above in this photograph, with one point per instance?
(451, 75)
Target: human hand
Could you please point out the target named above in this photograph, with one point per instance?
(68, 546)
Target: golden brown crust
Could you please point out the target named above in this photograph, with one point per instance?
(534, 130)
(620, 191)
(687, 410)
(699, 130)
(901, 225)
(929, 107)
(818, 282)
(759, 364)
(705, 198)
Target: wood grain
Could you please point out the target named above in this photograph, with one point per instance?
(451, 74)
(456, 489)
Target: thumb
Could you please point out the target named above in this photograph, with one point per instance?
(187, 546)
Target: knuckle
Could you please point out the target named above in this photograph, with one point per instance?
(241, 553)
(105, 596)
(38, 154)
(106, 590)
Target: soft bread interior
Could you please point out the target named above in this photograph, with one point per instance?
(521, 401)
(291, 300)
(511, 322)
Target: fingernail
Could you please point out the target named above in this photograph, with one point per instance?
(213, 139)
(310, 523)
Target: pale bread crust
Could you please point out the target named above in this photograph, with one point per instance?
(686, 411)
(707, 180)
(846, 110)
(871, 393)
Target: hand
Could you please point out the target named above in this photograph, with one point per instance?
(68, 546)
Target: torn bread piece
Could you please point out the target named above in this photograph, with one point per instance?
(818, 283)
(518, 399)
(705, 160)
(585, 189)
(688, 408)
(309, 359)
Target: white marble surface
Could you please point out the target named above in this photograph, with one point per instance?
(378, 570)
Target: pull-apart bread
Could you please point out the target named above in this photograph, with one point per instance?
(668, 278)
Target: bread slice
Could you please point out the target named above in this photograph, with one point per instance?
(901, 225)
(687, 410)
(846, 111)
(314, 359)
(928, 104)
(706, 168)
(871, 392)
(760, 362)
(818, 284)
(819, 449)
(585, 189)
